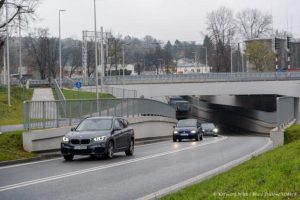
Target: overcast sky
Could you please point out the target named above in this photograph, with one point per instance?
(163, 19)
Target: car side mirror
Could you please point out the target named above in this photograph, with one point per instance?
(73, 129)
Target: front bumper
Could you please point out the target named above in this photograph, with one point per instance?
(189, 136)
(90, 149)
(209, 133)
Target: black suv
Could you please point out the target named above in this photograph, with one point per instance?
(98, 136)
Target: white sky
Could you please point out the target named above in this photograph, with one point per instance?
(163, 19)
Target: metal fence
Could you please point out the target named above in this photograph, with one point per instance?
(90, 87)
(285, 111)
(203, 77)
(48, 114)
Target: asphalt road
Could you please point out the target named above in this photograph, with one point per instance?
(152, 168)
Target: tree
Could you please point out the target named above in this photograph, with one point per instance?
(252, 23)
(17, 8)
(44, 50)
(221, 28)
(261, 56)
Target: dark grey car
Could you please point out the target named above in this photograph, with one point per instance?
(98, 136)
(209, 129)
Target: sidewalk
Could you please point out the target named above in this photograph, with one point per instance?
(39, 94)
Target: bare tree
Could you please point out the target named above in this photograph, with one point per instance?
(17, 8)
(252, 23)
(221, 28)
(44, 50)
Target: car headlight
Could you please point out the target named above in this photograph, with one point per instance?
(215, 130)
(99, 139)
(65, 139)
(175, 132)
(193, 131)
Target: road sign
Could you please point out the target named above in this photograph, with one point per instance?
(78, 84)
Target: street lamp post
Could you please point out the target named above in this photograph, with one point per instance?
(7, 57)
(60, 68)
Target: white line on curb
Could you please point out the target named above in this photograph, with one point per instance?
(51, 178)
(205, 175)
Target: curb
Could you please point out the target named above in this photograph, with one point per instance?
(56, 154)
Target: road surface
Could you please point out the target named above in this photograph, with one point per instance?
(152, 168)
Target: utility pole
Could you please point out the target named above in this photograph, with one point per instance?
(96, 60)
(231, 67)
(123, 69)
(20, 49)
(7, 55)
(102, 59)
(4, 66)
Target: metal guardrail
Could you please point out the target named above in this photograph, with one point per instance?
(203, 77)
(34, 83)
(285, 111)
(58, 91)
(48, 114)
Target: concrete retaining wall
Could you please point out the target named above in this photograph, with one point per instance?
(144, 127)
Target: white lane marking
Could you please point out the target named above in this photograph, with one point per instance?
(205, 175)
(30, 163)
(37, 162)
(51, 178)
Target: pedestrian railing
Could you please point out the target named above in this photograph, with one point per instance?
(203, 77)
(48, 114)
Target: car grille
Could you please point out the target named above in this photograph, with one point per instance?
(83, 141)
(186, 131)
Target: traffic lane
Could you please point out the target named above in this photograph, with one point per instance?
(12, 175)
(137, 179)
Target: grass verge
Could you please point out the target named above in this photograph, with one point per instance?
(272, 175)
(73, 94)
(11, 147)
(13, 114)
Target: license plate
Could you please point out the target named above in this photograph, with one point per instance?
(80, 147)
(184, 134)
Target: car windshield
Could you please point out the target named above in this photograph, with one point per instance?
(208, 126)
(95, 125)
(187, 123)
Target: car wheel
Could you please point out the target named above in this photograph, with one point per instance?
(68, 157)
(130, 150)
(201, 138)
(174, 140)
(110, 150)
(197, 137)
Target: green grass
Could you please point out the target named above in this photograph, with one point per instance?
(291, 134)
(14, 113)
(73, 94)
(11, 147)
(274, 173)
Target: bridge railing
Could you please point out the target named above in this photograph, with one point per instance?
(205, 77)
(48, 114)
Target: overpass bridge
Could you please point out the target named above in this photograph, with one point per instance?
(215, 84)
